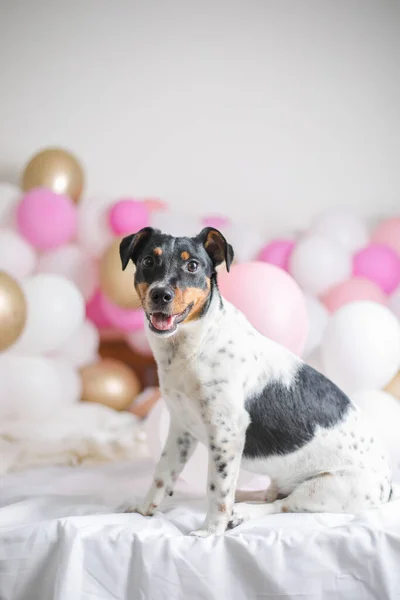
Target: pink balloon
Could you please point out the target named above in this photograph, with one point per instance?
(277, 253)
(380, 264)
(270, 299)
(46, 219)
(128, 216)
(353, 290)
(155, 204)
(216, 221)
(388, 232)
(123, 319)
(95, 313)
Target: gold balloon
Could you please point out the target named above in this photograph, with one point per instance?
(394, 386)
(12, 311)
(109, 382)
(57, 170)
(115, 283)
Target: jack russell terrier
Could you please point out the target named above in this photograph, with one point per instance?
(249, 400)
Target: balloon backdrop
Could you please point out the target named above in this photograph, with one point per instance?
(55, 169)
(59, 261)
(109, 382)
(12, 311)
(361, 346)
(270, 299)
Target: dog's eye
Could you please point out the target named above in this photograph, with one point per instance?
(148, 262)
(192, 266)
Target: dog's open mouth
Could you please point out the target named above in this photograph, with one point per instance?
(163, 323)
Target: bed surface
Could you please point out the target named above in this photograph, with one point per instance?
(61, 538)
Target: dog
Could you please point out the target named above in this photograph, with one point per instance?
(252, 402)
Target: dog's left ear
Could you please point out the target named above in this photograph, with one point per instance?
(216, 247)
(131, 245)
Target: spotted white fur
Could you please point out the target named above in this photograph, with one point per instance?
(207, 369)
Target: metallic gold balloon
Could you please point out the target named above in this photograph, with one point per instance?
(12, 311)
(115, 283)
(109, 382)
(394, 386)
(57, 170)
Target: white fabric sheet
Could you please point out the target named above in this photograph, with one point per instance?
(61, 538)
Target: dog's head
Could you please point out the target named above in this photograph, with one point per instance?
(175, 275)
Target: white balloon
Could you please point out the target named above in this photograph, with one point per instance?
(246, 242)
(9, 198)
(17, 257)
(340, 226)
(318, 317)
(82, 347)
(138, 341)
(195, 472)
(175, 224)
(317, 263)
(75, 264)
(361, 347)
(383, 411)
(394, 303)
(30, 388)
(94, 232)
(56, 309)
(70, 381)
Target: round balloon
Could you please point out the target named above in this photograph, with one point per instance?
(109, 382)
(94, 311)
(122, 318)
(380, 264)
(30, 388)
(277, 253)
(270, 299)
(12, 311)
(353, 290)
(70, 381)
(17, 257)
(72, 262)
(46, 219)
(56, 309)
(318, 263)
(55, 169)
(318, 317)
(116, 284)
(82, 347)
(394, 303)
(246, 242)
(128, 216)
(342, 227)
(94, 233)
(388, 233)
(361, 347)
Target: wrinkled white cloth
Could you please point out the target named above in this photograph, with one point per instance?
(62, 538)
(80, 433)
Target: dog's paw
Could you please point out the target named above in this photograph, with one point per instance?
(241, 512)
(147, 510)
(201, 533)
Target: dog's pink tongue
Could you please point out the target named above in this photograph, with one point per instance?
(162, 322)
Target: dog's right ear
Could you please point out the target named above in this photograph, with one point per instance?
(131, 245)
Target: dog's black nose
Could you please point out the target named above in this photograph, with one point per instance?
(162, 296)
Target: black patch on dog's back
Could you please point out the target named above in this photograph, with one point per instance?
(283, 419)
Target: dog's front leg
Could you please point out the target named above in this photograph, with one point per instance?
(226, 442)
(178, 448)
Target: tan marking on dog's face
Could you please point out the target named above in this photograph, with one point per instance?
(142, 289)
(157, 251)
(185, 255)
(185, 297)
(222, 508)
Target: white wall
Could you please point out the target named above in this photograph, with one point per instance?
(267, 110)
